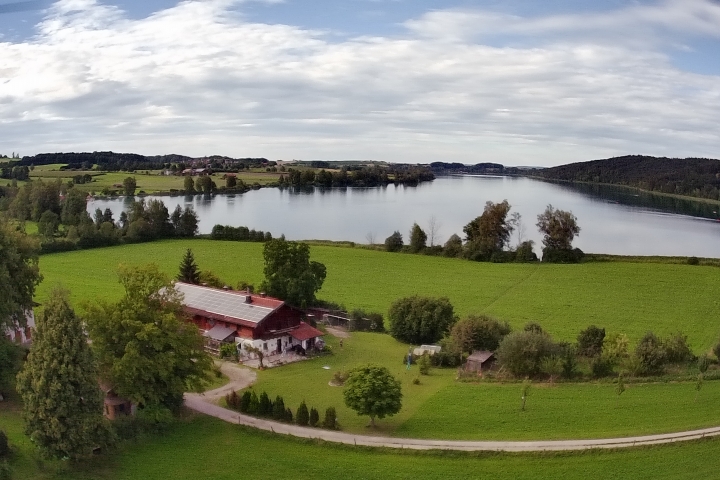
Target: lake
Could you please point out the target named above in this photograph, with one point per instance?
(613, 220)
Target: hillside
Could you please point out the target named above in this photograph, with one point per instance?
(694, 177)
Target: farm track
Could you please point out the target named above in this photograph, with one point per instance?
(205, 404)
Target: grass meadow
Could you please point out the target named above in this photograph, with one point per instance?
(203, 447)
(630, 298)
(151, 182)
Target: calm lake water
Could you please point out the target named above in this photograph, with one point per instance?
(612, 220)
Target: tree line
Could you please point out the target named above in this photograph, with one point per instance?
(694, 177)
(531, 352)
(357, 176)
(64, 223)
(488, 237)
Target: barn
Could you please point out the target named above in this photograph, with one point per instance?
(247, 319)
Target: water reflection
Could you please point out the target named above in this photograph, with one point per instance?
(613, 220)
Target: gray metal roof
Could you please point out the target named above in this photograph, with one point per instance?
(220, 333)
(221, 302)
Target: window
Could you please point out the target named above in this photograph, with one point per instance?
(265, 346)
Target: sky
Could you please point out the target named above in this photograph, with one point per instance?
(518, 82)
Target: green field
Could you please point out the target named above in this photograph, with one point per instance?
(629, 298)
(203, 447)
(151, 182)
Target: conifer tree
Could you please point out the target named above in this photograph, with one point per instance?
(278, 412)
(265, 407)
(59, 386)
(189, 272)
(314, 417)
(302, 417)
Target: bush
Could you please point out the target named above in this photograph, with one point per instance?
(693, 261)
(419, 320)
(339, 377)
(478, 333)
(229, 350)
(590, 341)
(394, 243)
(362, 321)
(569, 360)
(522, 352)
(525, 253)
(677, 349)
(314, 417)
(302, 417)
(265, 407)
(651, 355)
(254, 404)
(703, 363)
(288, 415)
(330, 420)
(602, 366)
(5, 472)
(278, 409)
(453, 247)
(4, 446)
(555, 255)
(245, 402)
(233, 400)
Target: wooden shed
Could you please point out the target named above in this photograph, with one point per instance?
(479, 360)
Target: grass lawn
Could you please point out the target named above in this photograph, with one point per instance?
(151, 182)
(629, 298)
(203, 447)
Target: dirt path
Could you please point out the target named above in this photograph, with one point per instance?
(200, 404)
(337, 332)
(240, 377)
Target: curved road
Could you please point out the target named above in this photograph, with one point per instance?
(202, 403)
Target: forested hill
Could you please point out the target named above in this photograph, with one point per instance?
(112, 161)
(695, 177)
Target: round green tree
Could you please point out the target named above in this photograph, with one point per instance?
(372, 390)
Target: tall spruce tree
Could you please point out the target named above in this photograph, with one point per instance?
(59, 386)
(189, 272)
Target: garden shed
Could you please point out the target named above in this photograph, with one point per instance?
(479, 360)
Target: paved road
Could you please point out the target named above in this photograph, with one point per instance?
(199, 404)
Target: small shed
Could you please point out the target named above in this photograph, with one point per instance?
(429, 349)
(218, 335)
(114, 405)
(479, 360)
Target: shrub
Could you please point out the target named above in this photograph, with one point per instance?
(339, 377)
(555, 255)
(424, 364)
(453, 247)
(265, 407)
(394, 243)
(254, 404)
(5, 472)
(302, 417)
(569, 360)
(314, 417)
(651, 355)
(525, 253)
(362, 321)
(703, 363)
(233, 400)
(716, 350)
(590, 341)
(288, 415)
(278, 409)
(416, 381)
(551, 366)
(228, 350)
(330, 420)
(522, 352)
(602, 366)
(245, 402)
(4, 446)
(677, 349)
(478, 333)
(693, 261)
(418, 320)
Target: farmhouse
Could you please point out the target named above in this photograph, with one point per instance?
(263, 322)
(15, 332)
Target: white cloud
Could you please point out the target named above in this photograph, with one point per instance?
(199, 79)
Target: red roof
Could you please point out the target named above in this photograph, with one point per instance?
(305, 332)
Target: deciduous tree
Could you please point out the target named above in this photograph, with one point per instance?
(558, 227)
(145, 347)
(490, 232)
(19, 274)
(419, 320)
(62, 401)
(394, 243)
(372, 390)
(129, 186)
(289, 273)
(418, 239)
